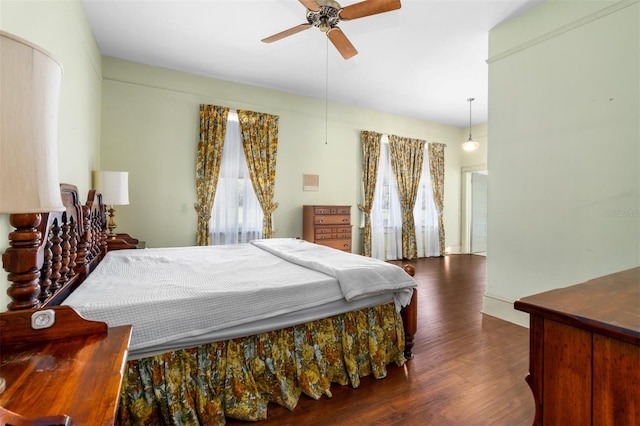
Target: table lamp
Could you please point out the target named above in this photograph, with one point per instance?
(114, 187)
(29, 185)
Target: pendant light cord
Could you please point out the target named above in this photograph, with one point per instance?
(470, 100)
(326, 94)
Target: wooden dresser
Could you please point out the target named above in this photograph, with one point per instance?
(584, 352)
(327, 225)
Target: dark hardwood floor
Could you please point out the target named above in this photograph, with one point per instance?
(468, 369)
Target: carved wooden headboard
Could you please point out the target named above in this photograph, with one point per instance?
(50, 254)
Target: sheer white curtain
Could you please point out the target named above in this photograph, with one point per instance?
(426, 214)
(236, 216)
(386, 217)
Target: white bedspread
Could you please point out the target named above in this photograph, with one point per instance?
(170, 294)
(357, 275)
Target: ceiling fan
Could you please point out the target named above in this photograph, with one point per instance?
(325, 14)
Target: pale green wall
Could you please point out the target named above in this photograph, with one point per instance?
(150, 125)
(564, 159)
(61, 27)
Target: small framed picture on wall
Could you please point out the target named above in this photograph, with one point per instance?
(310, 182)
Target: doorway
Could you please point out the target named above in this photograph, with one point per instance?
(474, 209)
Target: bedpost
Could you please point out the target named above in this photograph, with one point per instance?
(410, 316)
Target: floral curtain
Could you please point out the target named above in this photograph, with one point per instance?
(213, 122)
(370, 159)
(436, 164)
(426, 214)
(260, 143)
(238, 378)
(407, 157)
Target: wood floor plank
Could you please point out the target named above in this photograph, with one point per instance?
(469, 368)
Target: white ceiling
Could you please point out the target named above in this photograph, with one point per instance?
(423, 60)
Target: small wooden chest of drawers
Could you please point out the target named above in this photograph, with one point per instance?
(327, 225)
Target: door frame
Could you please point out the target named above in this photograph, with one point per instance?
(466, 213)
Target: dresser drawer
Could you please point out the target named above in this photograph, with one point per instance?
(335, 219)
(327, 230)
(344, 245)
(332, 235)
(323, 210)
(343, 230)
(321, 231)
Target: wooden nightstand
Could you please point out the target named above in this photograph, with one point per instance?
(73, 367)
(124, 241)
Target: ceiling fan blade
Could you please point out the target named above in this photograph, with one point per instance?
(367, 8)
(286, 33)
(310, 4)
(341, 42)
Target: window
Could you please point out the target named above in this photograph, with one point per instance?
(386, 213)
(236, 216)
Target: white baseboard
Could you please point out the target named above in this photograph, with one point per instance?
(503, 309)
(453, 250)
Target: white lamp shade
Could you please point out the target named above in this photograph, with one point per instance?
(114, 187)
(29, 93)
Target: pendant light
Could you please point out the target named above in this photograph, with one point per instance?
(470, 145)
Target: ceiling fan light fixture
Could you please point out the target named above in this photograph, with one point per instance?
(324, 25)
(470, 145)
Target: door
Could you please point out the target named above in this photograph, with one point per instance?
(478, 212)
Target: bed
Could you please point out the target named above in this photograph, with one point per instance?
(208, 342)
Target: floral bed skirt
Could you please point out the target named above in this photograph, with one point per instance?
(238, 378)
